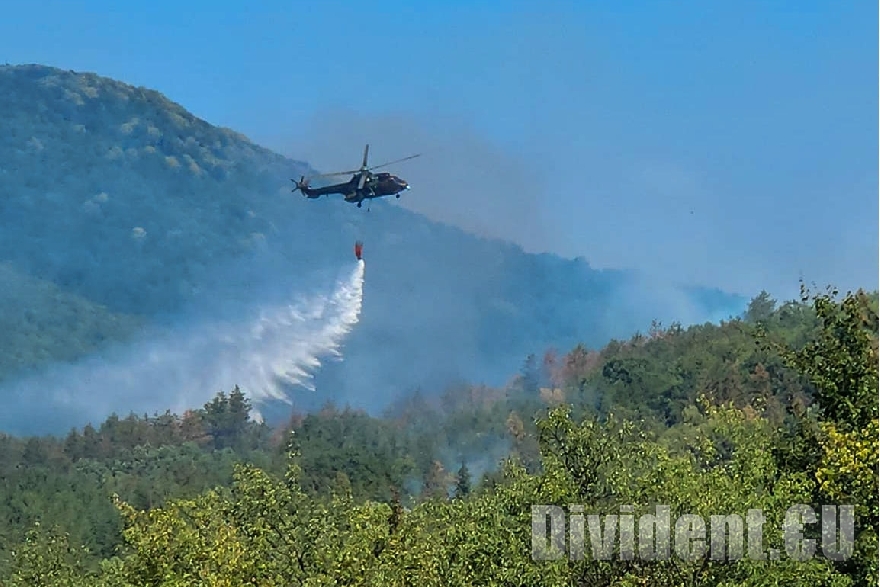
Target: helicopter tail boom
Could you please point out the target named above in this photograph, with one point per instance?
(303, 186)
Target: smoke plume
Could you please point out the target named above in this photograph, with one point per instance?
(267, 353)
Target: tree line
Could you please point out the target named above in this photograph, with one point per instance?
(776, 408)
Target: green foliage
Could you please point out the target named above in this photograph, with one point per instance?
(116, 205)
(842, 362)
(74, 327)
(226, 419)
(370, 454)
(45, 558)
(144, 198)
(265, 530)
(212, 498)
(761, 308)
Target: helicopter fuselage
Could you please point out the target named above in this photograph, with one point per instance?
(363, 185)
(377, 185)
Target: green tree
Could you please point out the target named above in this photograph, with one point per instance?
(227, 417)
(760, 308)
(463, 481)
(842, 365)
(47, 559)
(842, 362)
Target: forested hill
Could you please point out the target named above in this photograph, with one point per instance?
(774, 410)
(120, 209)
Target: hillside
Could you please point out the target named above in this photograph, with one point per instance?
(705, 419)
(121, 211)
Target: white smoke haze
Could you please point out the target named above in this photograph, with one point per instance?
(273, 349)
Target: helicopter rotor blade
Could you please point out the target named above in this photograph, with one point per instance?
(337, 173)
(393, 162)
(364, 167)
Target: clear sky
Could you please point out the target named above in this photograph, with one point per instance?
(731, 144)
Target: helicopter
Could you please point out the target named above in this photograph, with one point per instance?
(363, 185)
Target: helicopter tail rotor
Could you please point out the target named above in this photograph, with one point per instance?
(301, 185)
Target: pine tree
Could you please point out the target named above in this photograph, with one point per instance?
(463, 482)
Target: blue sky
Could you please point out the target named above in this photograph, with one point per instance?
(731, 144)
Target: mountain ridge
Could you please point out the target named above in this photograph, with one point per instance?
(118, 196)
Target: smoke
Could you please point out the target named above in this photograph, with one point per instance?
(477, 307)
(461, 178)
(443, 305)
(269, 352)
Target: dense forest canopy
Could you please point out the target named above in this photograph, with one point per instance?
(767, 411)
